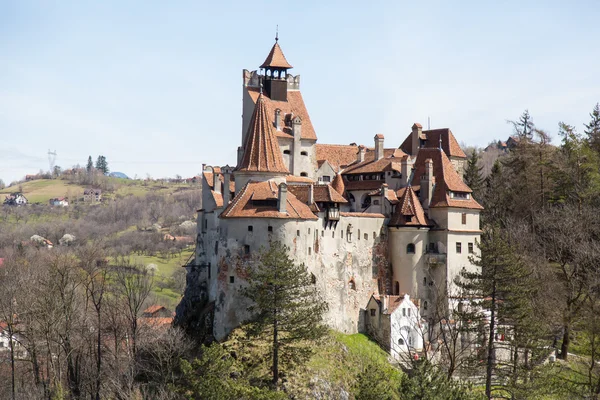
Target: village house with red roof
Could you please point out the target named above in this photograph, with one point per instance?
(366, 220)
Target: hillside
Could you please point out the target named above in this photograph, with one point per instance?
(42, 190)
(331, 373)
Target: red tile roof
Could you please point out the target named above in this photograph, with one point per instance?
(276, 59)
(323, 193)
(338, 184)
(346, 156)
(242, 205)
(298, 179)
(209, 179)
(446, 179)
(338, 155)
(293, 106)
(261, 150)
(409, 211)
(153, 308)
(361, 214)
(432, 140)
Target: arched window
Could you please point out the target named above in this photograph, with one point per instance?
(366, 201)
(425, 305)
(401, 342)
(352, 284)
(410, 248)
(396, 288)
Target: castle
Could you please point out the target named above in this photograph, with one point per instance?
(375, 226)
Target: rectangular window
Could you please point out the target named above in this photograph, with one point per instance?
(372, 312)
(471, 248)
(404, 312)
(309, 251)
(231, 279)
(374, 235)
(270, 229)
(323, 233)
(366, 236)
(409, 312)
(464, 218)
(246, 249)
(298, 232)
(458, 247)
(250, 228)
(376, 202)
(333, 234)
(309, 231)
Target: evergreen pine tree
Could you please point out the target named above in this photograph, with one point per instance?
(524, 126)
(426, 382)
(473, 176)
(90, 165)
(287, 310)
(592, 130)
(500, 289)
(102, 165)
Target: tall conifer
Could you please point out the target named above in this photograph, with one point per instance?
(287, 309)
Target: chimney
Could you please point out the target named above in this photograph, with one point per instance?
(278, 119)
(311, 194)
(384, 189)
(216, 181)
(361, 153)
(282, 197)
(378, 146)
(240, 154)
(427, 184)
(417, 130)
(226, 179)
(296, 126)
(384, 303)
(404, 169)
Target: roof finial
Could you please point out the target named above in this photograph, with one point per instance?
(440, 142)
(277, 33)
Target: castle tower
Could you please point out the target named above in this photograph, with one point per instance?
(262, 159)
(275, 78)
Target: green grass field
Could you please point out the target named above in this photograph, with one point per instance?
(42, 190)
(165, 296)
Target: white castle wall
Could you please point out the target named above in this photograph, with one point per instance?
(336, 257)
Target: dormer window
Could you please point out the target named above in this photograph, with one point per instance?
(460, 195)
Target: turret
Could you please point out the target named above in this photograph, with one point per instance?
(275, 78)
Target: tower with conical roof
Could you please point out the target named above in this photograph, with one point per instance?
(275, 75)
(261, 159)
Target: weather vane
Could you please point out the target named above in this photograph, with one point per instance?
(277, 33)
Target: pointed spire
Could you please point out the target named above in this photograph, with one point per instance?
(338, 184)
(408, 210)
(276, 59)
(261, 150)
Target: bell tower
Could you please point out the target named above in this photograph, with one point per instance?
(275, 75)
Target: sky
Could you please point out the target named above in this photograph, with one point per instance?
(156, 86)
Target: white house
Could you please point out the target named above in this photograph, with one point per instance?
(15, 199)
(395, 322)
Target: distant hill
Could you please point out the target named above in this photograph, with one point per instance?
(42, 190)
(118, 175)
